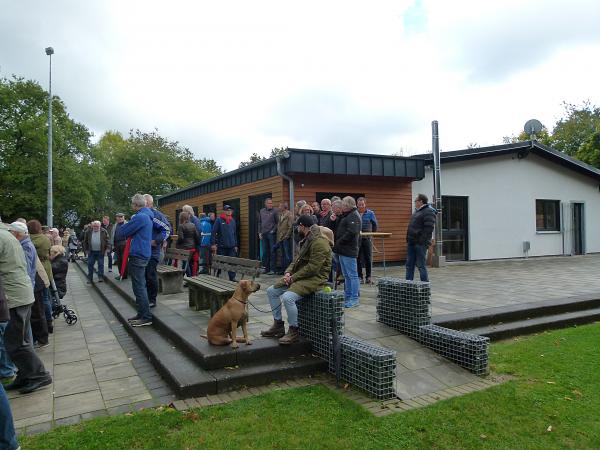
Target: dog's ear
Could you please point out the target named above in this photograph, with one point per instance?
(244, 284)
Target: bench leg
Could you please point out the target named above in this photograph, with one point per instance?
(172, 284)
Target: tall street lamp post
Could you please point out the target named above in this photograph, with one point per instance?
(50, 52)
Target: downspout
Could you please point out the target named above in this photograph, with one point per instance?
(290, 181)
(439, 259)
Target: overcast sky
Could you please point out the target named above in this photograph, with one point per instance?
(227, 79)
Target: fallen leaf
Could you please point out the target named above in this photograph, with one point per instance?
(549, 428)
(483, 436)
(128, 414)
(568, 398)
(577, 393)
(542, 356)
(346, 386)
(550, 382)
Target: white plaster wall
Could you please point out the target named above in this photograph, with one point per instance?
(502, 191)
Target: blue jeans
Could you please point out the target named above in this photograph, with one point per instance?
(8, 438)
(47, 300)
(289, 299)
(415, 255)
(286, 253)
(351, 282)
(137, 272)
(94, 256)
(268, 254)
(7, 368)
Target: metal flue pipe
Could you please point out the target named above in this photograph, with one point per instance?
(437, 192)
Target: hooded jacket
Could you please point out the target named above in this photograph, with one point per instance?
(139, 228)
(311, 267)
(205, 231)
(42, 246)
(421, 226)
(160, 231)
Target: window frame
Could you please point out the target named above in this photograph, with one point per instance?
(545, 205)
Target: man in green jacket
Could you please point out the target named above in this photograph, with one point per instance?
(306, 275)
(31, 374)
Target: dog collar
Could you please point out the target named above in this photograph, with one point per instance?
(241, 300)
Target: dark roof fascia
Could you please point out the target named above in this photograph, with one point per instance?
(305, 161)
(521, 148)
(322, 162)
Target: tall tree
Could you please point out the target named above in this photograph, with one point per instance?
(148, 163)
(573, 130)
(23, 157)
(255, 157)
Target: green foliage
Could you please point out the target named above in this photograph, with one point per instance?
(24, 156)
(589, 151)
(552, 402)
(255, 157)
(573, 130)
(88, 180)
(543, 137)
(147, 163)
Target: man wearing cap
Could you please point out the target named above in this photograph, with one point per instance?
(306, 275)
(224, 236)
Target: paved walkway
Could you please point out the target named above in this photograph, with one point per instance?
(98, 369)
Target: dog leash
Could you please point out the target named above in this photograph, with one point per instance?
(260, 310)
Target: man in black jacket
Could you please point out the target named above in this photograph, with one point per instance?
(347, 235)
(418, 237)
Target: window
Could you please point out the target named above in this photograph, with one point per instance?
(547, 215)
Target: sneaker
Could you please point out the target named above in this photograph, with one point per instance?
(100, 280)
(368, 281)
(351, 305)
(117, 277)
(136, 317)
(141, 322)
(35, 385)
(88, 282)
(270, 273)
(152, 305)
(41, 345)
(110, 270)
(8, 380)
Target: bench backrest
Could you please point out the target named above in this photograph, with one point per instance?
(248, 267)
(174, 255)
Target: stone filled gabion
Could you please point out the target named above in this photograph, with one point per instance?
(404, 305)
(465, 349)
(314, 319)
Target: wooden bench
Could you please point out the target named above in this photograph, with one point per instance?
(211, 292)
(170, 278)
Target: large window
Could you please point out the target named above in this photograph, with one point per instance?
(547, 215)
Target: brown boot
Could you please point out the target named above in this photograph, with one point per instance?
(277, 330)
(291, 336)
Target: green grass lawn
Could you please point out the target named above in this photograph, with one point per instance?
(553, 401)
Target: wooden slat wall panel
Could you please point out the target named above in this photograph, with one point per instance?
(391, 200)
(274, 185)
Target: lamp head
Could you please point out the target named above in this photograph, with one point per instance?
(49, 51)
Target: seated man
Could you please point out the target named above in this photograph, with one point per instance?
(306, 275)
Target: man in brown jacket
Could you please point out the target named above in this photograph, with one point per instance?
(306, 275)
(95, 243)
(284, 235)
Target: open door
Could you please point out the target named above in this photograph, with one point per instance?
(255, 204)
(455, 228)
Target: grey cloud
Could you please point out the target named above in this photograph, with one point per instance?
(515, 39)
(329, 120)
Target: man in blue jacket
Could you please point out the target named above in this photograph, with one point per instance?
(160, 232)
(139, 229)
(224, 236)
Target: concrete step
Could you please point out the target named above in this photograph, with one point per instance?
(521, 327)
(187, 336)
(523, 311)
(184, 373)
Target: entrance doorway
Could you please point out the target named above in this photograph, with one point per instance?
(578, 229)
(255, 204)
(455, 228)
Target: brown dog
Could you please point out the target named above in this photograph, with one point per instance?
(222, 327)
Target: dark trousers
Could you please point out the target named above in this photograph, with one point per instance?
(39, 324)
(415, 256)
(109, 256)
(268, 253)
(119, 250)
(20, 348)
(93, 257)
(365, 257)
(152, 280)
(285, 247)
(226, 252)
